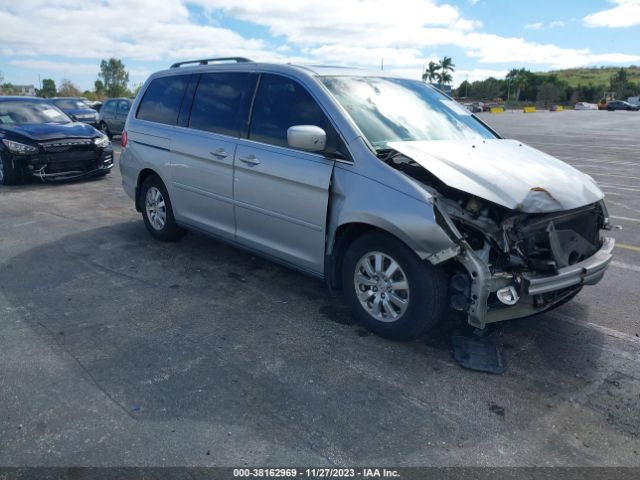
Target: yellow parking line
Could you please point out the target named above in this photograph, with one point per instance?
(633, 248)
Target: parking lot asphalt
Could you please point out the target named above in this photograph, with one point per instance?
(119, 350)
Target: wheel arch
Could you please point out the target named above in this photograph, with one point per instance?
(344, 235)
(142, 176)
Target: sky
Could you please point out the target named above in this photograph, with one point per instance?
(68, 38)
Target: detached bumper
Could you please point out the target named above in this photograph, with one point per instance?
(537, 293)
(587, 272)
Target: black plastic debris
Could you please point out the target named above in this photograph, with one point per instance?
(479, 351)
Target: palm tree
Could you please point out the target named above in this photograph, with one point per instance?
(519, 78)
(444, 78)
(446, 65)
(431, 72)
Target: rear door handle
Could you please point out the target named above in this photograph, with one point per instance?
(220, 153)
(250, 159)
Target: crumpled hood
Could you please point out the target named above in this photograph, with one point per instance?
(506, 172)
(52, 131)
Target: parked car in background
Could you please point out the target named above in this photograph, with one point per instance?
(488, 106)
(37, 139)
(585, 106)
(621, 105)
(410, 211)
(77, 109)
(113, 114)
(95, 104)
(634, 100)
(474, 107)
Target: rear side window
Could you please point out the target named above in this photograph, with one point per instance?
(282, 103)
(110, 108)
(123, 107)
(222, 101)
(162, 100)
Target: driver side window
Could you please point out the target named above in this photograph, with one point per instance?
(281, 103)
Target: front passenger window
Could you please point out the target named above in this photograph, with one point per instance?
(281, 103)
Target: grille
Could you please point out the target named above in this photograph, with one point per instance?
(69, 155)
(67, 145)
(553, 241)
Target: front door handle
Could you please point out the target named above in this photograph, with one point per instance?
(220, 153)
(250, 159)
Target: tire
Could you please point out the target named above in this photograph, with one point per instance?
(10, 173)
(425, 297)
(157, 211)
(104, 128)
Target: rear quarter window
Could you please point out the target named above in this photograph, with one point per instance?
(162, 100)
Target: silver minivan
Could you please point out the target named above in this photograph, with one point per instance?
(381, 186)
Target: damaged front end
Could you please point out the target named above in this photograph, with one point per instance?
(514, 264)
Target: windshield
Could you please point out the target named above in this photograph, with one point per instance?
(71, 104)
(393, 109)
(30, 112)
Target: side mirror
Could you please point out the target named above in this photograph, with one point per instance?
(307, 137)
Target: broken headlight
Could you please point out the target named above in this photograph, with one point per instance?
(19, 148)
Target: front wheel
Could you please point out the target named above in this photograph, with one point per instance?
(390, 290)
(10, 173)
(157, 211)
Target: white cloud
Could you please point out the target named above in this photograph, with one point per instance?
(534, 26)
(406, 33)
(58, 67)
(556, 24)
(625, 13)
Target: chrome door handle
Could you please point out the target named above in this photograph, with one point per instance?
(220, 153)
(250, 160)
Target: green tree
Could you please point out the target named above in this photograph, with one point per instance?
(99, 89)
(431, 72)
(8, 89)
(464, 89)
(618, 82)
(68, 89)
(518, 79)
(48, 88)
(114, 77)
(548, 92)
(446, 68)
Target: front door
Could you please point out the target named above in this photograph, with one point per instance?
(281, 194)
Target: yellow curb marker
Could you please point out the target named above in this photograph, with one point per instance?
(633, 248)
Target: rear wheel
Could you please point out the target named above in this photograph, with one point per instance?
(157, 211)
(391, 291)
(10, 173)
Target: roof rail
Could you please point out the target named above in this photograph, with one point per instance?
(205, 61)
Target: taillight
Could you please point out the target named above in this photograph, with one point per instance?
(124, 139)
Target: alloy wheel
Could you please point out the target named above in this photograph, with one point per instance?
(382, 286)
(155, 208)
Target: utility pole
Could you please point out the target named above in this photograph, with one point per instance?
(382, 64)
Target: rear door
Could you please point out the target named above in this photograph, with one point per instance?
(108, 114)
(281, 194)
(122, 110)
(203, 149)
